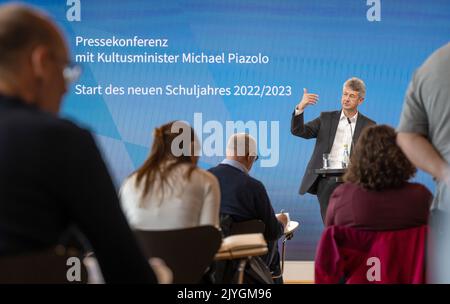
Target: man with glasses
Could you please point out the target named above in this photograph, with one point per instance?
(52, 176)
(245, 198)
(335, 133)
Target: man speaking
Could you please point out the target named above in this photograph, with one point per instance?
(335, 132)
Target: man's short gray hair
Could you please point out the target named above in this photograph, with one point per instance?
(241, 144)
(357, 85)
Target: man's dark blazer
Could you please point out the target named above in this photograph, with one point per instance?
(323, 129)
(245, 198)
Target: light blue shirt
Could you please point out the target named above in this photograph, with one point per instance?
(235, 164)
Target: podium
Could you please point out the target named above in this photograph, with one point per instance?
(328, 179)
(331, 173)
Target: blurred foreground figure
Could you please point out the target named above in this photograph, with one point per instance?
(424, 136)
(52, 176)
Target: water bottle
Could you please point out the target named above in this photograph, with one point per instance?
(345, 157)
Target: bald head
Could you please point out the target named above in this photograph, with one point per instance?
(33, 55)
(242, 147)
(241, 144)
(22, 28)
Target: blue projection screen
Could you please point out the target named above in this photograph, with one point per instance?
(222, 64)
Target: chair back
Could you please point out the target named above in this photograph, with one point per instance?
(57, 265)
(356, 256)
(187, 252)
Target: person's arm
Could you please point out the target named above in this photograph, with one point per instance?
(423, 155)
(274, 229)
(298, 126)
(211, 202)
(308, 130)
(87, 193)
(413, 131)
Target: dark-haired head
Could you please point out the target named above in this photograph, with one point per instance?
(377, 163)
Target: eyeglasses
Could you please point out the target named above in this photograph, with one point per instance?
(256, 158)
(71, 72)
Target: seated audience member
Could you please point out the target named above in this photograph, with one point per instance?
(52, 176)
(244, 198)
(376, 194)
(169, 191)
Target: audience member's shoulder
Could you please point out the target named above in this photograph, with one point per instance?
(417, 189)
(128, 185)
(128, 182)
(437, 62)
(223, 169)
(213, 169)
(46, 125)
(254, 183)
(346, 188)
(65, 132)
(67, 126)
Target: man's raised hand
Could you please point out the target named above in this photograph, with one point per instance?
(307, 99)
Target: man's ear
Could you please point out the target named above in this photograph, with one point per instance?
(361, 101)
(247, 158)
(39, 59)
(249, 161)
